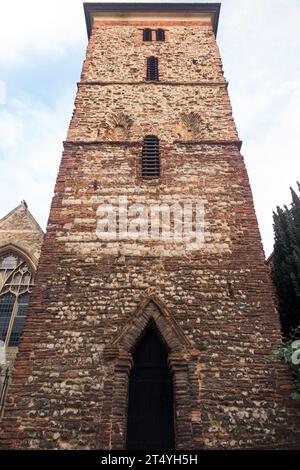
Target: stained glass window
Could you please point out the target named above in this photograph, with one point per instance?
(8, 262)
(16, 280)
(7, 302)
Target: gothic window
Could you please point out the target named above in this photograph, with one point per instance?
(8, 262)
(152, 68)
(16, 280)
(147, 34)
(160, 35)
(150, 157)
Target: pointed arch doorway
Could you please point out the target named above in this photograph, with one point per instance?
(150, 417)
(119, 360)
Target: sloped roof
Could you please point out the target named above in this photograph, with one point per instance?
(5, 222)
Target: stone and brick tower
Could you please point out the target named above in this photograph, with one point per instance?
(152, 124)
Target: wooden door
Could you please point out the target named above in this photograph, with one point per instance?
(150, 424)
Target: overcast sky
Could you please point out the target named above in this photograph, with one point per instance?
(42, 46)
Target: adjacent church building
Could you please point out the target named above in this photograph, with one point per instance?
(152, 318)
(21, 239)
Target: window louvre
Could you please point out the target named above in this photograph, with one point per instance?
(147, 35)
(160, 35)
(152, 68)
(150, 157)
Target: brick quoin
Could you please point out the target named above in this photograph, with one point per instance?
(213, 306)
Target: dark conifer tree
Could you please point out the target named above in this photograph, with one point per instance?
(286, 263)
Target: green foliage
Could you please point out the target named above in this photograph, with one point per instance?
(290, 353)
(286, 263)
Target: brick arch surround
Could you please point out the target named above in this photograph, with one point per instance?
(118, 356)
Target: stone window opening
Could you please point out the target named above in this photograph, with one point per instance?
(152, 69)
(150, 157)
(147, 34)
(160, 35)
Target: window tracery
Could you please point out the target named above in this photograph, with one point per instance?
(16, 280)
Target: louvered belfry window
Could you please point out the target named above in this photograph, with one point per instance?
(150, 157)
(152, 68)
(147, 35)
(160, 35)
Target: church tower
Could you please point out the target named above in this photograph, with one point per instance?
(152, 320)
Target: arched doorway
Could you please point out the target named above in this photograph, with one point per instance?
(150, 421)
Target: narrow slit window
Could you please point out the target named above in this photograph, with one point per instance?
(150, 157)
(160, 35)
(147, 34)
(152, 69)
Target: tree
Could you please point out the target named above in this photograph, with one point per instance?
(286, 263)
(289, 352)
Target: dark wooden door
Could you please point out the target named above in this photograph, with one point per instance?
(150, 424)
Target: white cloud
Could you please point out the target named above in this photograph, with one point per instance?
(259, 40)
(35, 26)
(31, 140)
(273, 162)
(11, 130)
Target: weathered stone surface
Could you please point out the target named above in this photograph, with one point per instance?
(213, 306)
(116, 53)
(19, 229)
(97, 104)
